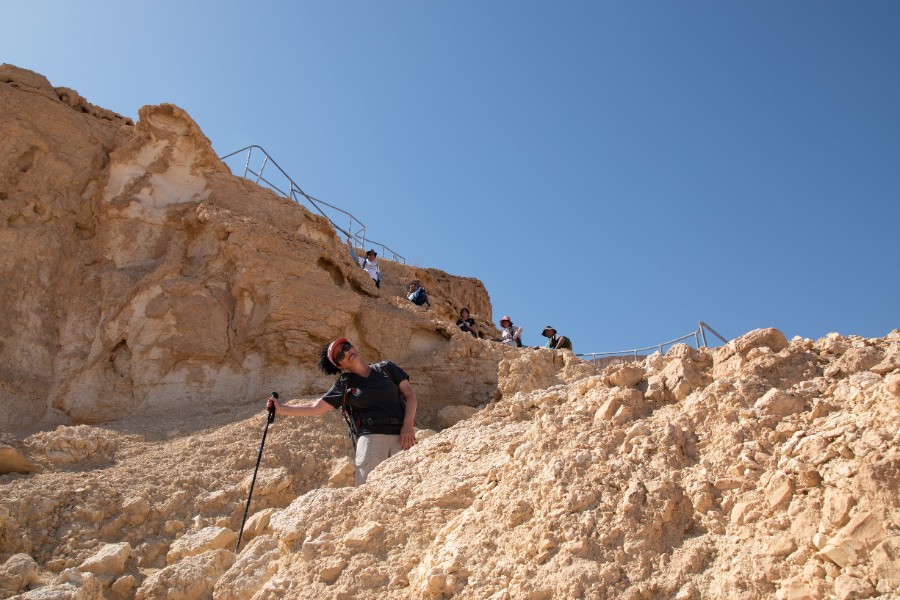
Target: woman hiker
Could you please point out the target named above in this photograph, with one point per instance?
(378, 400)
(509, 335)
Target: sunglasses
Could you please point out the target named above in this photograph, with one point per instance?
(345, 347)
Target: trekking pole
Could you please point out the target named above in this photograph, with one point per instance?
(269, 419)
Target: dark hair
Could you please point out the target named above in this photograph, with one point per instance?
(464, 309)
(324, 364)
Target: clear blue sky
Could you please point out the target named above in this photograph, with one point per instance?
(620, 170)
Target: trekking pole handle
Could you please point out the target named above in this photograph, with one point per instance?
(271, 418)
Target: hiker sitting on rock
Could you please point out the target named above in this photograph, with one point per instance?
(556, 342)
(465, 322)
(509, 335)
(369, 264)
(417, 295)
(378, 402)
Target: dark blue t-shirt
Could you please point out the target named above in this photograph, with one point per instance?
(374, 397)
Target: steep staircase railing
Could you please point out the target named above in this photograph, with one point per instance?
(698, 335)
(356, 229)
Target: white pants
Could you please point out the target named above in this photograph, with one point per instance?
(371, 450)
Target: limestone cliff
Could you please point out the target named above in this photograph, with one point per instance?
(140, 275)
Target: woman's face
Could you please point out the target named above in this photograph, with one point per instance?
(464, 314)
(346, 354)
(504, 324)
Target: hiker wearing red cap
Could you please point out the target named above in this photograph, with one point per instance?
(510, 335)
(377, 401)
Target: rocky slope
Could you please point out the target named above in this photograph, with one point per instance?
(168, 297)
(765, 468)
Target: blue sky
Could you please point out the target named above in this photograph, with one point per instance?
(620, 170)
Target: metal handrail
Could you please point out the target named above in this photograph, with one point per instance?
(358, 236)
(698, 335)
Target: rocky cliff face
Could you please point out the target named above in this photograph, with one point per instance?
(765, 468)
(141, 275)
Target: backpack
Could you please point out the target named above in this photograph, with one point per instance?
(352, 425)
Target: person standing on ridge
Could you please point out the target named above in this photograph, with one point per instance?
(377, 400)
(369, 263)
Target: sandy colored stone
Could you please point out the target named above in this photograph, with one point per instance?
(71, 584)
(847, 587)
(780, 403)
(254, 566)
(854, 541)
(363, 535)
(268, 481)
(890, 362)
(627, 375)
(109, 560)
(257, 524)
(780, 490)
(124, 586)
(198, 542)
(17, 573)
(192, 577)
(886, 563)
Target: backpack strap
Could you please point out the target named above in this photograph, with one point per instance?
(352, 430)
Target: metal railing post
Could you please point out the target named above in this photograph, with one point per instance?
(262, 168)
(247, 164)
(713, 331)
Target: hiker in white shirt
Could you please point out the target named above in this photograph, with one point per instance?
(369, 263)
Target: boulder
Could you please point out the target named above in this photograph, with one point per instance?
(193, 577)
(198, 542)
(779, 403)
(852, 544)
(17, 573)
(255, 565)
(109, 560)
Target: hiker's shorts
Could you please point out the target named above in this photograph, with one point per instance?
(371, 450)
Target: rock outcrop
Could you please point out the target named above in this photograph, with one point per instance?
(765, 468)
(140, 275)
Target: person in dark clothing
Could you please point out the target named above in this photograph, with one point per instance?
(556, 342)
(417, 295)
(465, 322)
(378, 398)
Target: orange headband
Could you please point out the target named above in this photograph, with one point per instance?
(331, 347)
